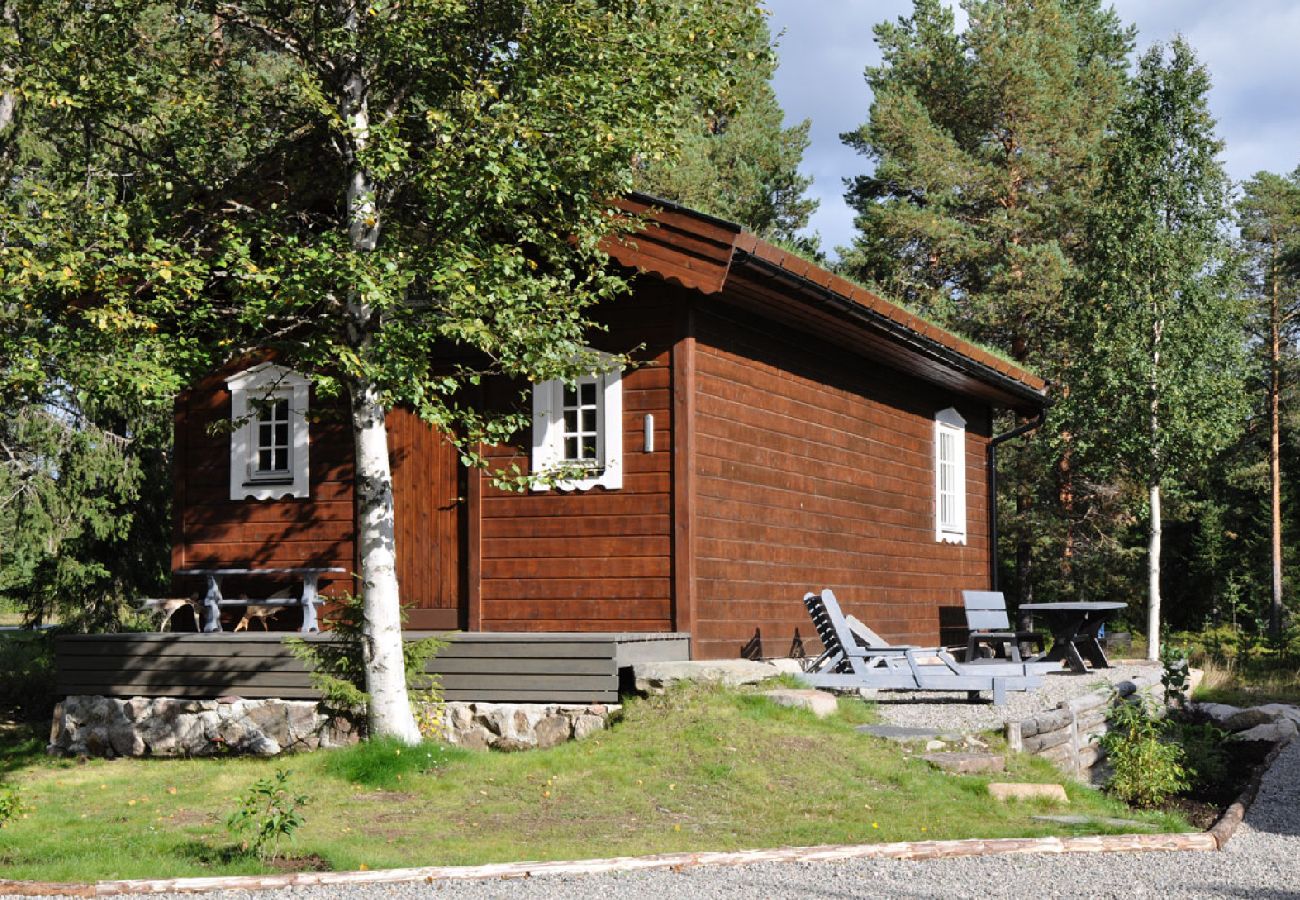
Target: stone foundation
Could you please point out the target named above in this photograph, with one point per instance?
(522, 726)
(167, 726)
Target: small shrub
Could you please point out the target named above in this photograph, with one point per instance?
(11, 804)
(337, 668)
(1205, 757)
(27, 674)
(270, 812)
(1146, 770)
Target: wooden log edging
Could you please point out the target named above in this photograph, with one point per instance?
(905, 850)
(1226, 827)
(1066, 734)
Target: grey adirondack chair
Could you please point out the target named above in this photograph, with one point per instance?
(864, 660)
(987, 619)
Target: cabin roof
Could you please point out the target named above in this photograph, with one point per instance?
(717, 257)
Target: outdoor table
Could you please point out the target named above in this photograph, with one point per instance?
(1075, 627)
(212, 600)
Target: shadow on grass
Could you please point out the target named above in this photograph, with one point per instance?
(22, 744)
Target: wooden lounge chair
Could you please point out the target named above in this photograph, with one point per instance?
(848, 663)
(987, 619)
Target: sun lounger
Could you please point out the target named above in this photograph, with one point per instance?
(863, 659)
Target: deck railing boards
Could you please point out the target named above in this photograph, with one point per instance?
(492, 667)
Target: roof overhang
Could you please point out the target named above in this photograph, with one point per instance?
(719, 259)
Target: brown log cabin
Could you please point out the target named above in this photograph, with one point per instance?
(784, 430)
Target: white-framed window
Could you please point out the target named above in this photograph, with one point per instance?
(269, 445)
(950, 476)
(579, 427)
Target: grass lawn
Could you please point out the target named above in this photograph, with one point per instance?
(698, 769)
(1249, 683)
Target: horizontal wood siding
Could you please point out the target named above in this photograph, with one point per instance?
(814, 468)
(517, 668)
(595, 560)
(214, 531)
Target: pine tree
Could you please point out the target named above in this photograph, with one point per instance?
(734, 157)
(985, 146)
(1156, 381)
(985, 150)
(1269, 215)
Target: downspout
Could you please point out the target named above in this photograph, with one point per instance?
(1016, 432)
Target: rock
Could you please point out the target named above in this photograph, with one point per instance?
(261, 745)
(474, 737)
(655, 677)
(903, 733)
(586, 725)
(786, 665)
(819, 703)
(1272, 732)
(552, 730)
(1005, 791)
(1248, 718)
(967, 763)
(934, 745)
(1280, 711)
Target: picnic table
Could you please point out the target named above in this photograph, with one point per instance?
(213, 601)
(1075, 627)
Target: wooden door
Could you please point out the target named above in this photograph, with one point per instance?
(429, 500)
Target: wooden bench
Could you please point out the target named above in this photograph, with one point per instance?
(310, 599)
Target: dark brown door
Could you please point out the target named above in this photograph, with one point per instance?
(429, 500)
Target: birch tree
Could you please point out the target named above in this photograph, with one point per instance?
(398, 198)
(1157, 386)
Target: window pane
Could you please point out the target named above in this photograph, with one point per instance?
(570, 396)
(570, 421)
(264, 434)
(264, 460)
(589, 447)
(588, 394)
(282, 459)
(282, 410)
(571, 448)
(589, 420)
(282, 434)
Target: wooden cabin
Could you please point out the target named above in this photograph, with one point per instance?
(785, 430)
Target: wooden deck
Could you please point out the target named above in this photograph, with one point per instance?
(476, 666)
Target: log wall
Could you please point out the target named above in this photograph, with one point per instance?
(814, 469)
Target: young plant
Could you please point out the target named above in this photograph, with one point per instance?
(11, 804)
(1145, 770)
(337, 668)
(270, 813)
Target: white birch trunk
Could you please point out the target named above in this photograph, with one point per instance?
(390, 707)
(1153, 548)
(1153, 576)
(8, 98)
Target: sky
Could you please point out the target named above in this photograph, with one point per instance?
(1251, 47)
